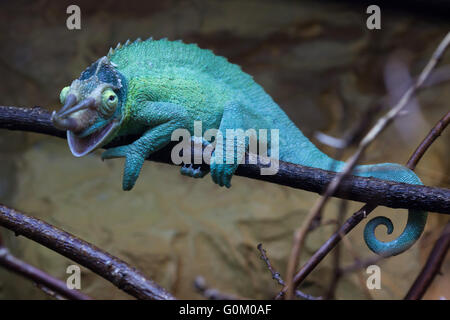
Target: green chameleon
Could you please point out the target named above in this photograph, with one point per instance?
(150, 88)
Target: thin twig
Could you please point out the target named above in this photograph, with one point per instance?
(50, 292)
(349, 248)
(211, 294)
(362, 213)
(276, 276)
(300, 234)
(385, 193)
(433, 135)
(354, 134)
(337, 255)
(100, 262)
(42, 279)
(360, 264)
(48, 284)
(431, 267)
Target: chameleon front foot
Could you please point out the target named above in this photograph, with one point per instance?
(193, 171)
(133, 163)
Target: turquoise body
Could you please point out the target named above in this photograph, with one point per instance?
(168, 85)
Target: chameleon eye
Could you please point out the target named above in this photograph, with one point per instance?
(63, 94)
(109, 102)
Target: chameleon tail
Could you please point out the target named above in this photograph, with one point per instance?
(413, 230)
(416, 218)
(311, 156)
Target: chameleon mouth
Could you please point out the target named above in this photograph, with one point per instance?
(73, 116)
(81, 146)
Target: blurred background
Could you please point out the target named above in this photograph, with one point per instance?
(318, 61)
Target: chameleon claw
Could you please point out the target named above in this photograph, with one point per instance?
(192, 171)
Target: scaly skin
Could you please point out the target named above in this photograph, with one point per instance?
(151, 88)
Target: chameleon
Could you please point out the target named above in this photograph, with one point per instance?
(151, 88)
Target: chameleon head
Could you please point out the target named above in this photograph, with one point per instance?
(91, 111)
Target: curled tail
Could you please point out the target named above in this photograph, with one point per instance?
(416, 218)
(311, 156)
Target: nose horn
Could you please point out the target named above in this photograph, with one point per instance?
(70, 124)
(68, 107)
(71, 100)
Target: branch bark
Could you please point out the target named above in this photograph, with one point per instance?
(431, 267)
(350, 164)
(41, 278)
(362, 213)
(367, 190)
(100, 262)
(276, 276)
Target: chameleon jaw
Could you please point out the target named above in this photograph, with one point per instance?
(76, 118)
(81, 146)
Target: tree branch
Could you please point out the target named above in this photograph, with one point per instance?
(102, 263)
(41, 278)
(362, 213)
(368, 190)
(431, 267)
(276, 275)
(350, 164)
(210, 293)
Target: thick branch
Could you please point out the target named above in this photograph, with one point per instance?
(41, 278)
(368, 190)
(102, 263)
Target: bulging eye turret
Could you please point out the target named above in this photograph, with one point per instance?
(109, 102)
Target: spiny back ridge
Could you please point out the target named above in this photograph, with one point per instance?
(165, 53)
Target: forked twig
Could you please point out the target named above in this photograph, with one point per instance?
(362, 213)
(102, 263)
(276, 276)
(43, 280)
(300, 234)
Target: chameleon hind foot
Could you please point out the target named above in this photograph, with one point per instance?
(221, 173)
(193, 171)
